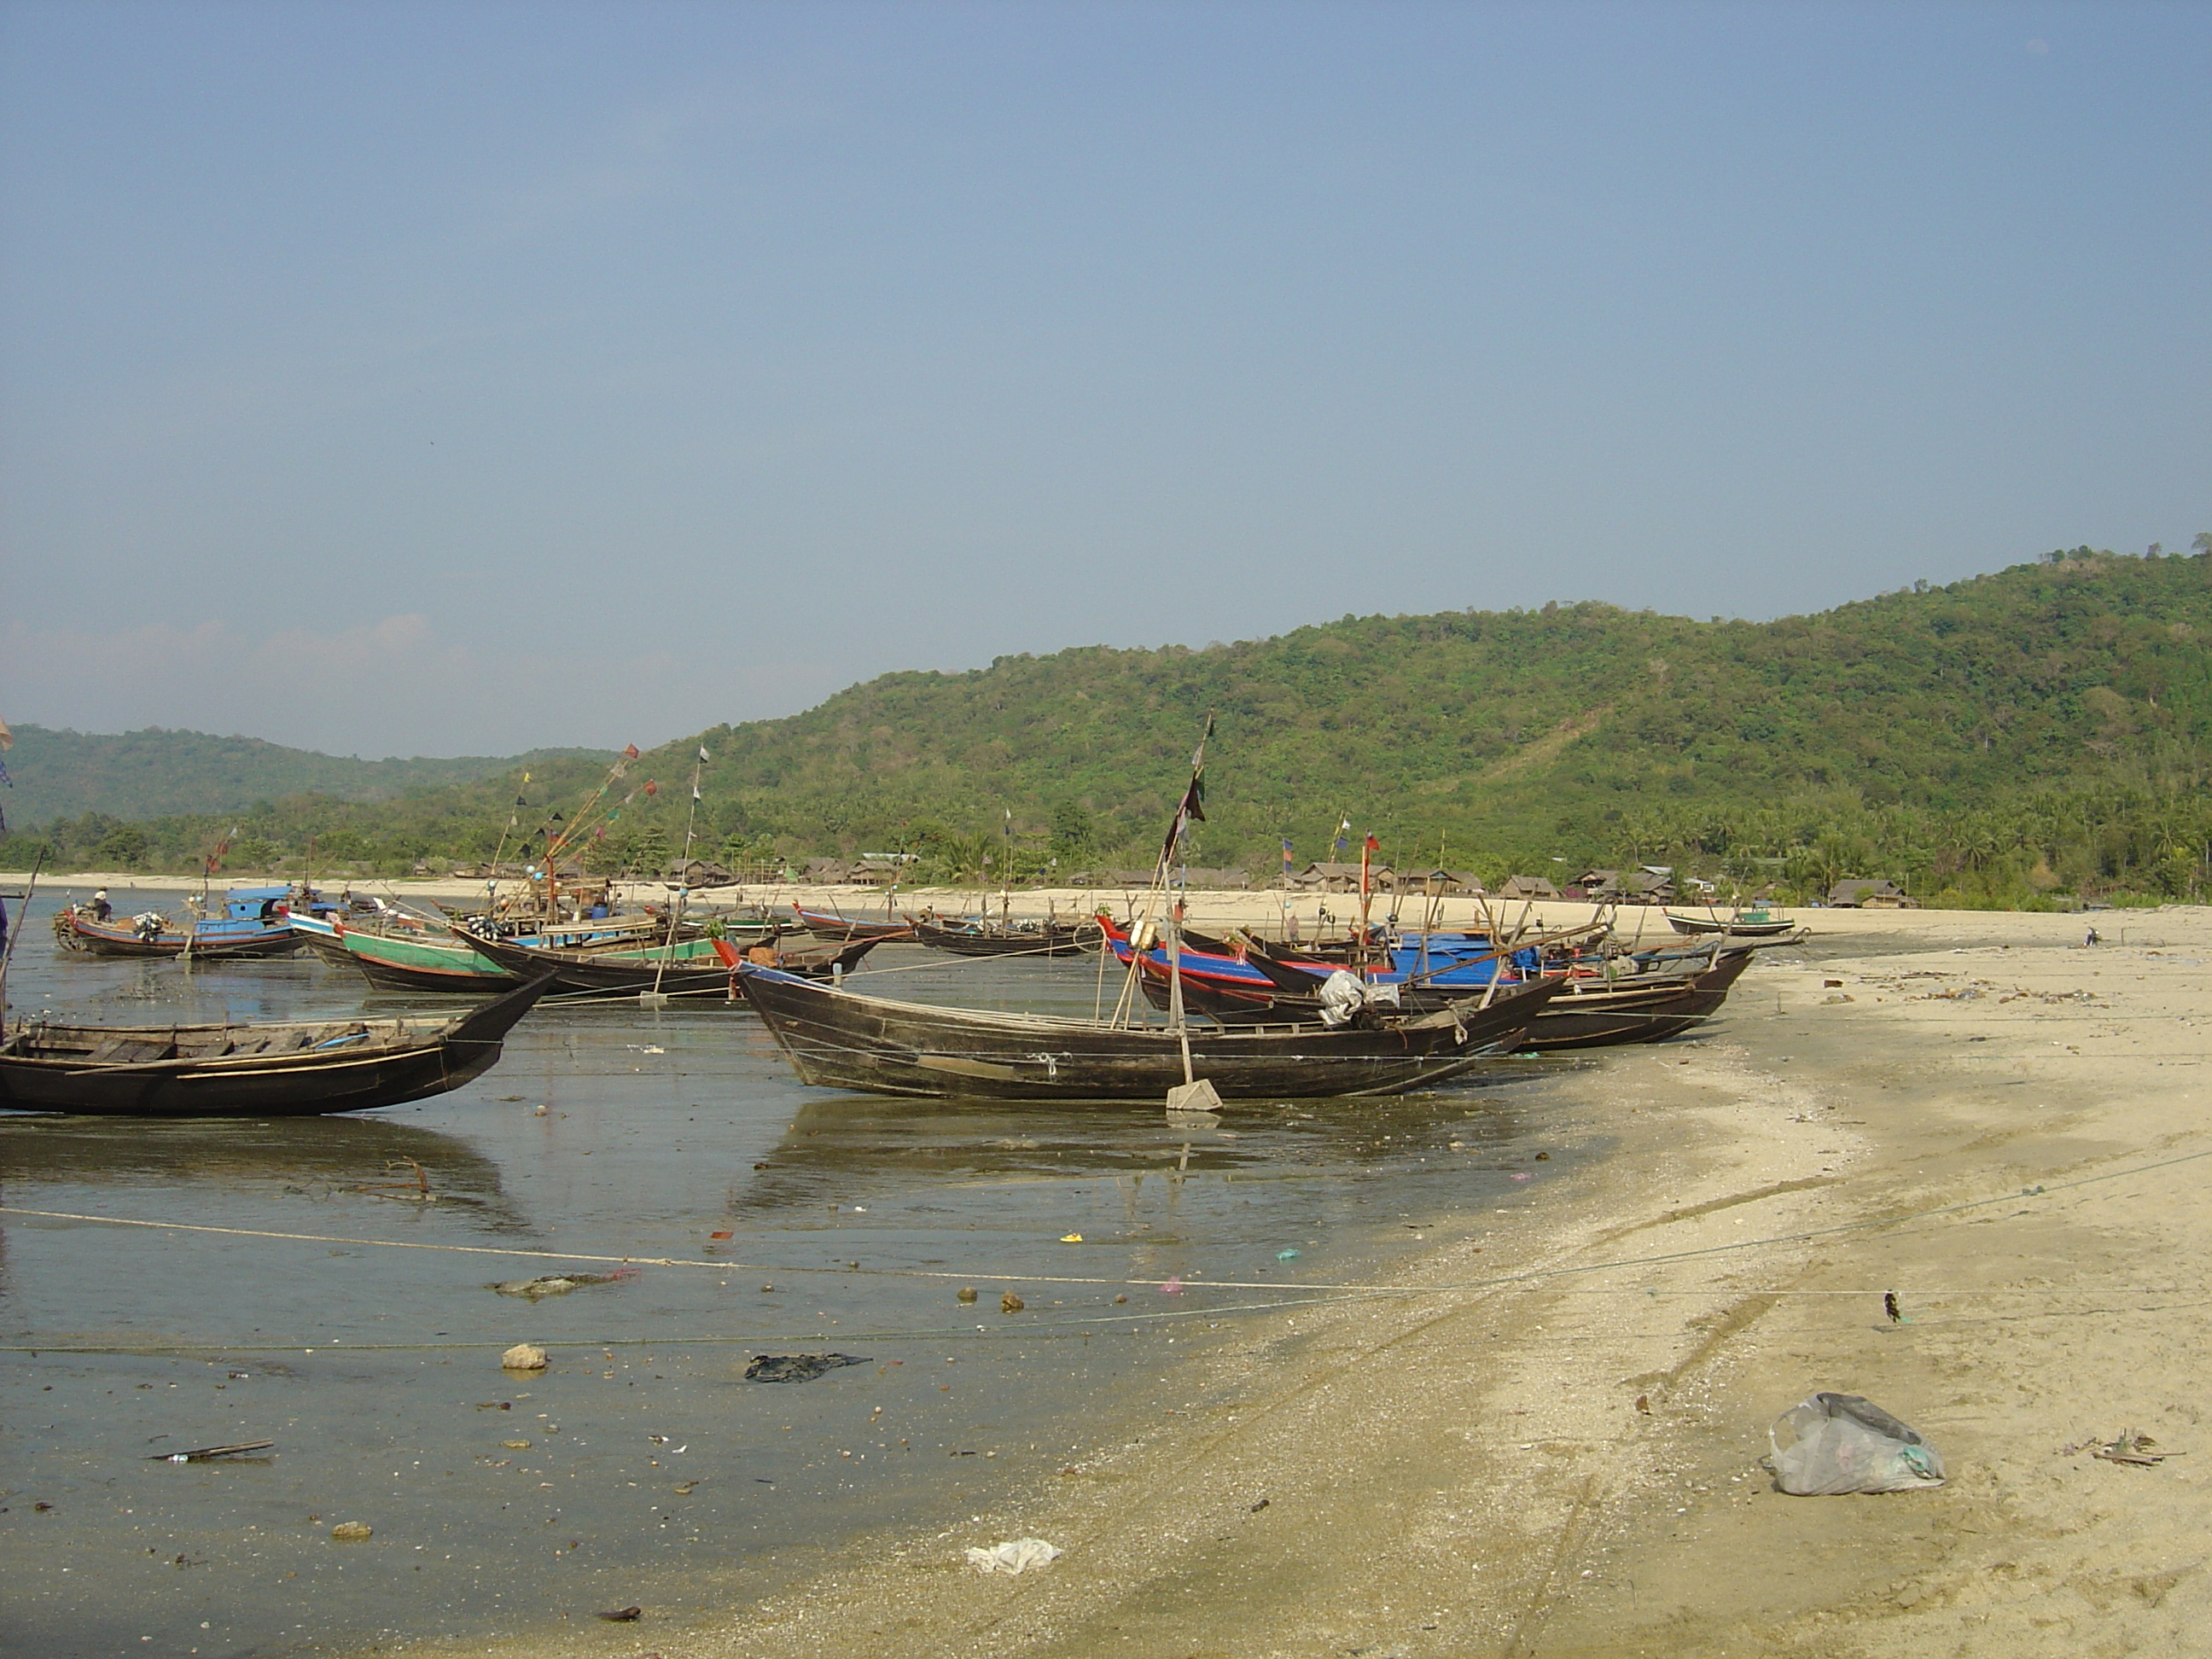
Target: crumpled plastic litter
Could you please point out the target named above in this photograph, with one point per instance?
(1833, 1444)
(1016, 1555)
(1343, 995)
(797, 1367)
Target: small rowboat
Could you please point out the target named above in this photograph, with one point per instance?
(291, 1070)
(1755, 924)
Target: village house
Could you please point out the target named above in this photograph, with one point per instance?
(1863, 893)
(1649, 883)
(1528, 887)
(1341, 877)
(1439, 882)
(698, 872)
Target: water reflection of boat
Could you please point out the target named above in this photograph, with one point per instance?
(340, 1154)
(294, 1068)
(852, 1147)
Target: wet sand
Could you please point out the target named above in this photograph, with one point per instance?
(1543, 1433)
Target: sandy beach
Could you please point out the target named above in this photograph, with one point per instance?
(1542, 1433)
(1545, 1433)
(1540, 1429)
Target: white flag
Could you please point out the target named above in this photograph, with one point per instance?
(702, 752)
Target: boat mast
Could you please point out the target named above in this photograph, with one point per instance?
(1192, 806)
(8, 951)
(683, 878)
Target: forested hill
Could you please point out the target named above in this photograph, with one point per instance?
(2047, 727)
(1534, 731)
(157, 773)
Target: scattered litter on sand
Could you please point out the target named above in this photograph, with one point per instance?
(2128, 1448)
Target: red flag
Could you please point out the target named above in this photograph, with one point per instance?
(651, 787)
(1373, 845)
(629, 752)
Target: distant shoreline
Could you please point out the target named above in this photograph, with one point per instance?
(1263, 908)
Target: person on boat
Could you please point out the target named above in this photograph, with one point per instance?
(101, 910)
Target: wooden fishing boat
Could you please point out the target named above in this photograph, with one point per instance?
(251, 924)
(838, 1039)
(1751, 924)
(826, 924)
(688, 968)
(405, 960)
(285, 1070)
(966, 939)
(696, 968)
(1587, 1013)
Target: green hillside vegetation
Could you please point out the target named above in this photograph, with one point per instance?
(2043, 731)
(155, 774)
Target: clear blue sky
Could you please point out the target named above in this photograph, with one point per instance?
(453, 377)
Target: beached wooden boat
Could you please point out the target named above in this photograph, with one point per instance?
(294, 1069)
(826, 924)
(411, 960)
(688, 968)
(251, 924)
(1587, 1013)
(1754, 924)
(696, 968)
(840, 1040)
(964, 938)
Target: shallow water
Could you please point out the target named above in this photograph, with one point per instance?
(331, 1310)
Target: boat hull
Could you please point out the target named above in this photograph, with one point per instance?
(842, 930)
(976, 942)
(835, 1039)
(392, 1062)
(105, 940)
(427, 963)
(628, 973)
(1704, 926)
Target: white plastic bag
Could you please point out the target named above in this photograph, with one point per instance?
(1839, 1442)
(1015, 1556)
(1343, 994)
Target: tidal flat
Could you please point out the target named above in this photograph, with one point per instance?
(328, 1285)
